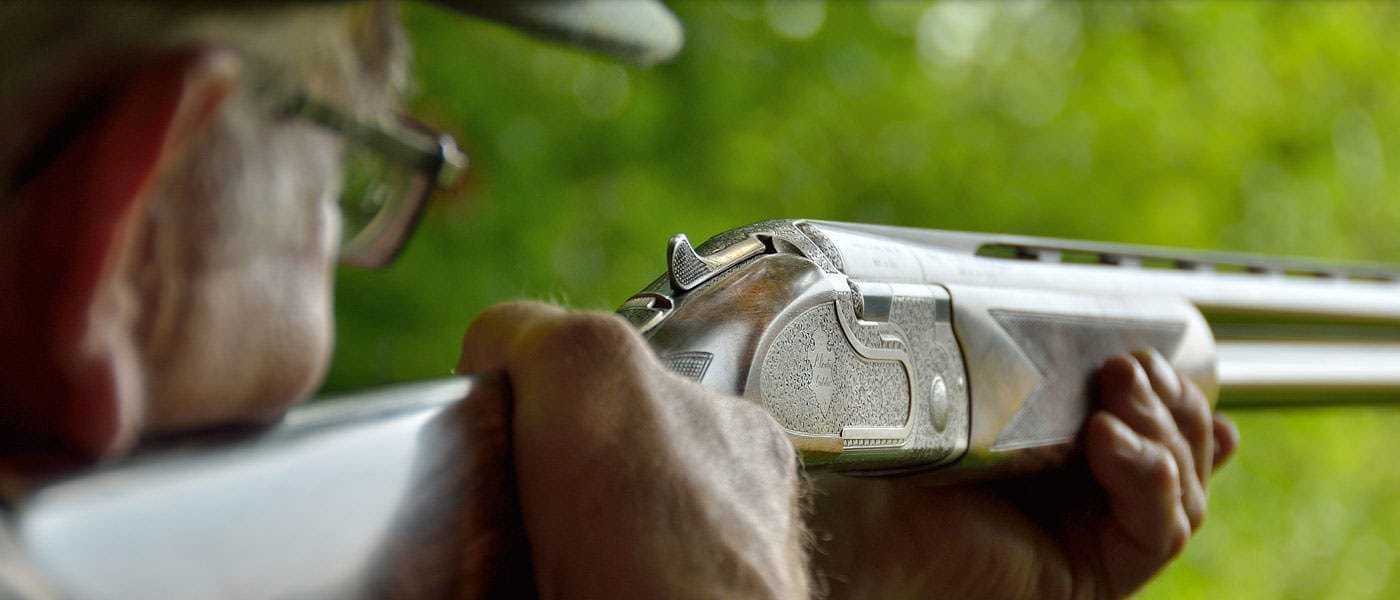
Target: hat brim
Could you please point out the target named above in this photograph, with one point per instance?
(639, 31)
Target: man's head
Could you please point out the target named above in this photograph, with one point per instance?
(168, 243)
(167, 233)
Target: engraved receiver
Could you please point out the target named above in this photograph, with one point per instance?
(884, 349)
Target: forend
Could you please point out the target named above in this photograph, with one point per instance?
(885, 349)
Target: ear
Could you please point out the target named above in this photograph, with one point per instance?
(68, 367)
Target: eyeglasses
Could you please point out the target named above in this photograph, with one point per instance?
(390, 172)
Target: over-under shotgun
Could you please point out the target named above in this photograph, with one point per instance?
(879, 349)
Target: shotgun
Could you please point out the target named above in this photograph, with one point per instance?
(881, 350)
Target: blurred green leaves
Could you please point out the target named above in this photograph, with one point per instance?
(1235, 125)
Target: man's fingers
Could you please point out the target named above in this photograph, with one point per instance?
(1141, 480)
(1165, 382)
(1188, 407)
(1227, 439)
(487, 344)
(1127, 391)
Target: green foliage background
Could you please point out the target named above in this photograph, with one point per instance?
(1241, 126)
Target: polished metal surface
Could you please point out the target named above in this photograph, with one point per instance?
(687, 268)
(861, 374)
(302, 510)
(1333, 365)
(1273, 374)
(1309, 296)
(646, 310)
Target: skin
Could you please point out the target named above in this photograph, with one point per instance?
(672, 490)
(151, 298)
(631, 480)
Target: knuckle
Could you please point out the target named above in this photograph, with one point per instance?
(599, 327)
(1161, 469)
(1116, 374)
(1177, 536)
(761, 421)
(1198, 516)
(481, 324)
(1195, 425)
(497, 327)
(1144, 355)
(509, 313)
(1193, 500)
(765, 435)
(1149, 361)
(1122, 363)
(586, 336)
(1165, 379)
(1182, 455)
(782, 458)
(1194, 418)
(1141, 381)
(777, 440)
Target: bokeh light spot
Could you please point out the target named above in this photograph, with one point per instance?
(795, 20)
(602, 91)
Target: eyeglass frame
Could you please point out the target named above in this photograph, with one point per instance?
(410, 143)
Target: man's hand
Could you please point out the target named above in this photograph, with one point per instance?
(1099, 528)
(634, 482)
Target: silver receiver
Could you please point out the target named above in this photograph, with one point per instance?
(884, 349)
(862, 373)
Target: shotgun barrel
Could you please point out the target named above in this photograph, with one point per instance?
(1288, 331)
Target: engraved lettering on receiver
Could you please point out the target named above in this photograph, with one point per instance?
(823, 368)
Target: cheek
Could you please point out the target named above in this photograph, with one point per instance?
(242, 294)
(253, 341)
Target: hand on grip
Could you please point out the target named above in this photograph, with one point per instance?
(1097, 528)
(633, 481)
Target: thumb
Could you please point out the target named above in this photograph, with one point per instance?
(489, 341)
